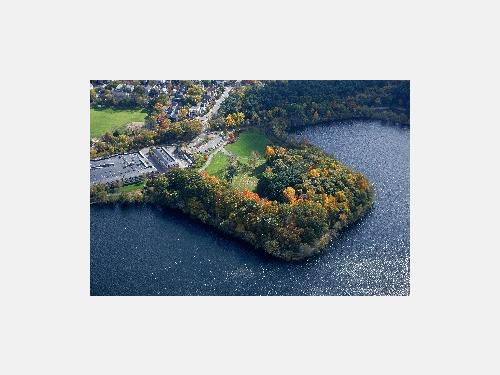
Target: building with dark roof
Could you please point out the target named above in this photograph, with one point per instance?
(162, 159)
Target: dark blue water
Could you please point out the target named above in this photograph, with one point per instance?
(145, 251)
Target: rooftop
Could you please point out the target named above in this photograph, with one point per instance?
(119, 167)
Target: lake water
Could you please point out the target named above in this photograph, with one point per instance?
(146, 251)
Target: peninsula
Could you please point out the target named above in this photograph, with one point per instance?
(227, 160)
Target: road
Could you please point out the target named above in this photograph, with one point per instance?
(204, 119)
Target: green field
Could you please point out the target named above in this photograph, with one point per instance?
(104, 120)
(131, 187)
(217, 164)
(248, 141)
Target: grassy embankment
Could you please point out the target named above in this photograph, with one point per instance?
(248, 141)
(131, 187)
(108, 120)
(217, 165)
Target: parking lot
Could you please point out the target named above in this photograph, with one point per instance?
(206, 142)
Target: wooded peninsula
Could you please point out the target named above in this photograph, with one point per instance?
(298, 198)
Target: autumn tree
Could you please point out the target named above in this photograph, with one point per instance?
(93, 96)
(313, 172)
(233, 120)
(254, 158)
(269, 151)
(289, 194)
(183, 113)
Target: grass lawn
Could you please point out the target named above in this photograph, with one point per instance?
(103, 120)
(248, 141)
(218, 164)
(131, 187)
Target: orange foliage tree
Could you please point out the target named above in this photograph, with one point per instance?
(289, 193)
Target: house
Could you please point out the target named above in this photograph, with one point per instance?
(172, 111)
(195, 110)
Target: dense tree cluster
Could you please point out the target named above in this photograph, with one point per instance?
(292, 104)
(283, 230)
(171, 131)
(294, 212)
(292, 175)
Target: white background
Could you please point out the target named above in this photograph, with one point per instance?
(50, 50)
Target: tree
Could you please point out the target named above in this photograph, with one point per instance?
(291, 226)
(107, 99)
(234, 119)
(289, 193)
(312, 218)
(138, 100)
(232, 168)
(183, 113)
(140, 90)
(230, 121)
(93, 96)
(239, 117)
(254, 158)
(269, 151)
(313, 172)
(217, 123)
(98, 193)
(107, 137)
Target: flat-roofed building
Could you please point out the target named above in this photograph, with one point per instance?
(127, 168)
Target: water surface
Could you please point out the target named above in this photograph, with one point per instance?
(146, 251)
